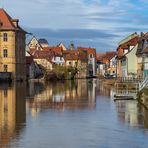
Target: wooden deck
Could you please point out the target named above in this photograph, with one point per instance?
(124, 97)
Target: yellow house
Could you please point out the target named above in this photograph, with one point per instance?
(12, 47)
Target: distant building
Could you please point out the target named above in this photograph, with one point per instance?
(57, 55)
(12, 47)
(125, 46)
(106, 63)
(43, 59)
(92, 66)
(100, 64)
(62, 46)
(43, 42)
(52, 54)
(77, 59)
(71, 58)
(32, 68)
(38, 43)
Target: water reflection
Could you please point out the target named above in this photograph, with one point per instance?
(76, 94)
(87, 114)
(132, 113)
(12, 111)
(104, 90)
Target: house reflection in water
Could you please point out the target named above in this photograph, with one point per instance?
(12, 111)
(60, 95)
(132, 113)
(104, 90)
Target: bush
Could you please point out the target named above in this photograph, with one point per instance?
(60, 73)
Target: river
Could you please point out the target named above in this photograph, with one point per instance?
(70, 114)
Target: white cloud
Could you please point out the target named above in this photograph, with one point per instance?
(114, 16)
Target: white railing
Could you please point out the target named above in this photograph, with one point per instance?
(144, 83)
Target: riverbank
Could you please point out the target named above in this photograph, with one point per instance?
(142, 97)
(108, 81)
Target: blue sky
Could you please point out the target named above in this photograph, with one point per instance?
(94, 23)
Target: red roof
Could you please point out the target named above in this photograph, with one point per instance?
(53, 50)
(6, 22)
(89, 50)
(75, 55)
(132, 42)
(70, 52)
(57, 50)
(100, 56)
(106, 57)
(38, 54)
(71, 57)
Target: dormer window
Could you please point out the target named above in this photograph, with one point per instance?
(5, 37)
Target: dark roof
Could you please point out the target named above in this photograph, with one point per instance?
(43, 41)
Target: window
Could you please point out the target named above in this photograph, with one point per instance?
(91, 56)
(5, 68)
(5, 53)
(5, 37)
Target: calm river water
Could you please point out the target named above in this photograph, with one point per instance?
(72, 114)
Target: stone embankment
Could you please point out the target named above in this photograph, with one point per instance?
(109, 81)
(143, 97)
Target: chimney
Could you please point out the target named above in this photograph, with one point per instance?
(15, 22)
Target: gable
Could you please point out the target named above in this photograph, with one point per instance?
(33, 43)
(132, 53)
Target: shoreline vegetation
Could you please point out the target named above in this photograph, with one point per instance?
(61, 73)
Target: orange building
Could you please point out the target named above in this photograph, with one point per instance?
(12, 47)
